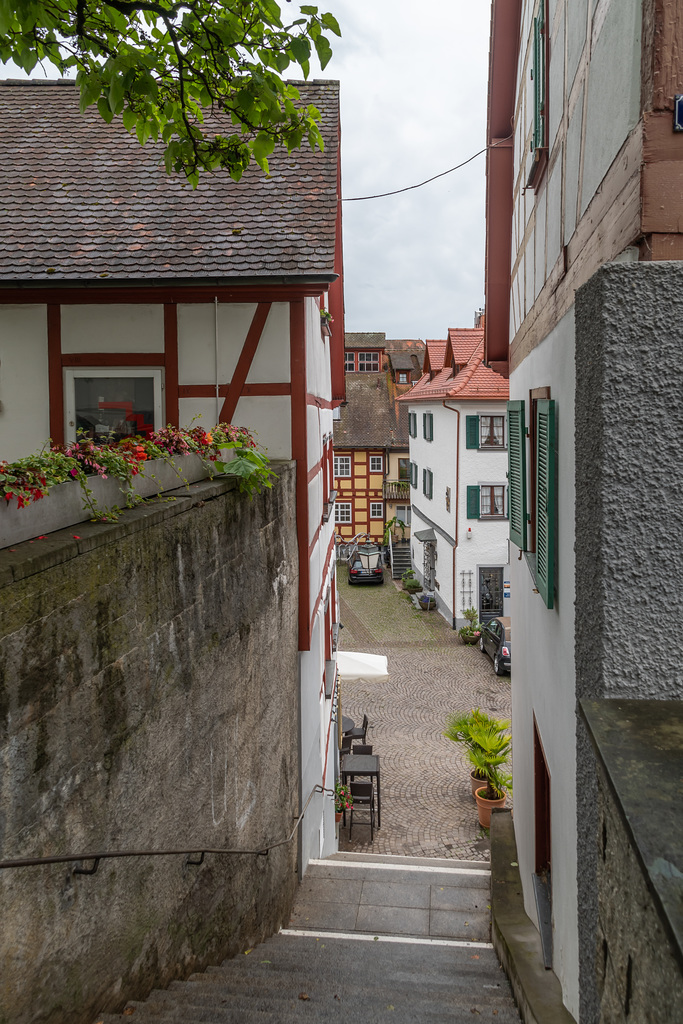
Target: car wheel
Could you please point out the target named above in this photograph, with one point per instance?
(481, 645)
(497, 667)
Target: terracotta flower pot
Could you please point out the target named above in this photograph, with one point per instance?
(486, 806)
(470, 639)
(338, 816)
(476, 783)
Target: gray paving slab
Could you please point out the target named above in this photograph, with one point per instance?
(393, 920)
(458, 924)
(330, 916)
(427, 806)
(451, 897)
(402, 874)
(328, 890)
(395, 894)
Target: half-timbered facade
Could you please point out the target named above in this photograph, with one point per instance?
(129, 301)
(371, 474)
(584, 204)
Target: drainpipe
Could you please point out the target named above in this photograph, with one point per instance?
(457, 497)
(215, 357)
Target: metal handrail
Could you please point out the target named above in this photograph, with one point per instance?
(28, 862)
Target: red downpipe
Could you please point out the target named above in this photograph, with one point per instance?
(457, 496)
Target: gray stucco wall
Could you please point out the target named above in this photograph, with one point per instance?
(148, 700)
(639, 978)
(629, 520)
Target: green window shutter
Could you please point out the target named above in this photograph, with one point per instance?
(538, 73)
(428, 426)
(517, 473)
(472, 431)
(430, 483)
(546, 493)
(473, 503)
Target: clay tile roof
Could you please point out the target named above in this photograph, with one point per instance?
(464, 342)
(374, 339)
(369, 418)
(474, 382)
(401, 360)
(436, 350)
(82, 200)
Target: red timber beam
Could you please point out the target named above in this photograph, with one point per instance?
(244, 362)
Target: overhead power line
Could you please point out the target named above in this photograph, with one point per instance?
(397, 191)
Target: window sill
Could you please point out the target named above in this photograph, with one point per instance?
(492, 448)
(494, 519)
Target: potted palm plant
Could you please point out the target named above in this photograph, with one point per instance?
(490, 757)
(462, 728)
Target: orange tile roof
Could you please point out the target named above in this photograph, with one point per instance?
(475, 382)
(464, 342)
(434, 356)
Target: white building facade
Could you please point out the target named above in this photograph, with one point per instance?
(583, 171)
(458, 464)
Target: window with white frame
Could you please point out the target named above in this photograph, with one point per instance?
(342, 465)
(402, 377)
(342, 512)
(368, 361)
(377, 510)
(349, 362)
(376, 463)
(112, 402)
(403, 513)
(486, 501)
(336, 413)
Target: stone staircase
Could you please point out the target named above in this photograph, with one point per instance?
(401, 560)
(371, 939)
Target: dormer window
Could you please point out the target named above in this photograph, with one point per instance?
(402, 377)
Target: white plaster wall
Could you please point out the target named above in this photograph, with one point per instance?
(271, 361)
(24, 392)
(311, 665)
(613, 106)
(543, 677)
(117, 327)
(318, 369)
(314, 435)
(488, 543)
(270, 419)
(440, 456)
(197, 334)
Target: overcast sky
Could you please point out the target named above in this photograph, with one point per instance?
(413, 99)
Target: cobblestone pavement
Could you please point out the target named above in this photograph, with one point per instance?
(427, 806)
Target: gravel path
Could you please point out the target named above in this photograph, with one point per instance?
(427, 807)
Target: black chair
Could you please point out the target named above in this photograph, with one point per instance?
(362, 748)
(360, 732)
(363, 794)
(345, 746)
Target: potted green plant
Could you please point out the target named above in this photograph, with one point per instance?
(463, 728)
(343, 801)
(470, 633)
(392, 525)
(490, 757)
(412, 585)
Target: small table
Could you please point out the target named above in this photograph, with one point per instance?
(347, 725)
(363, 764)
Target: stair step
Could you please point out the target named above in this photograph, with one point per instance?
(387, 858)
(476, 878)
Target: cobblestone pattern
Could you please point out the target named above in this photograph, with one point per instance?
(427, 806)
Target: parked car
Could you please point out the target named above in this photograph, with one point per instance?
(365, 564)
(495, 640)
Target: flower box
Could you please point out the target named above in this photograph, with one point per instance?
(64, 505)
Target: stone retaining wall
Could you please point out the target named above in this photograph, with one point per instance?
(148, 700)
